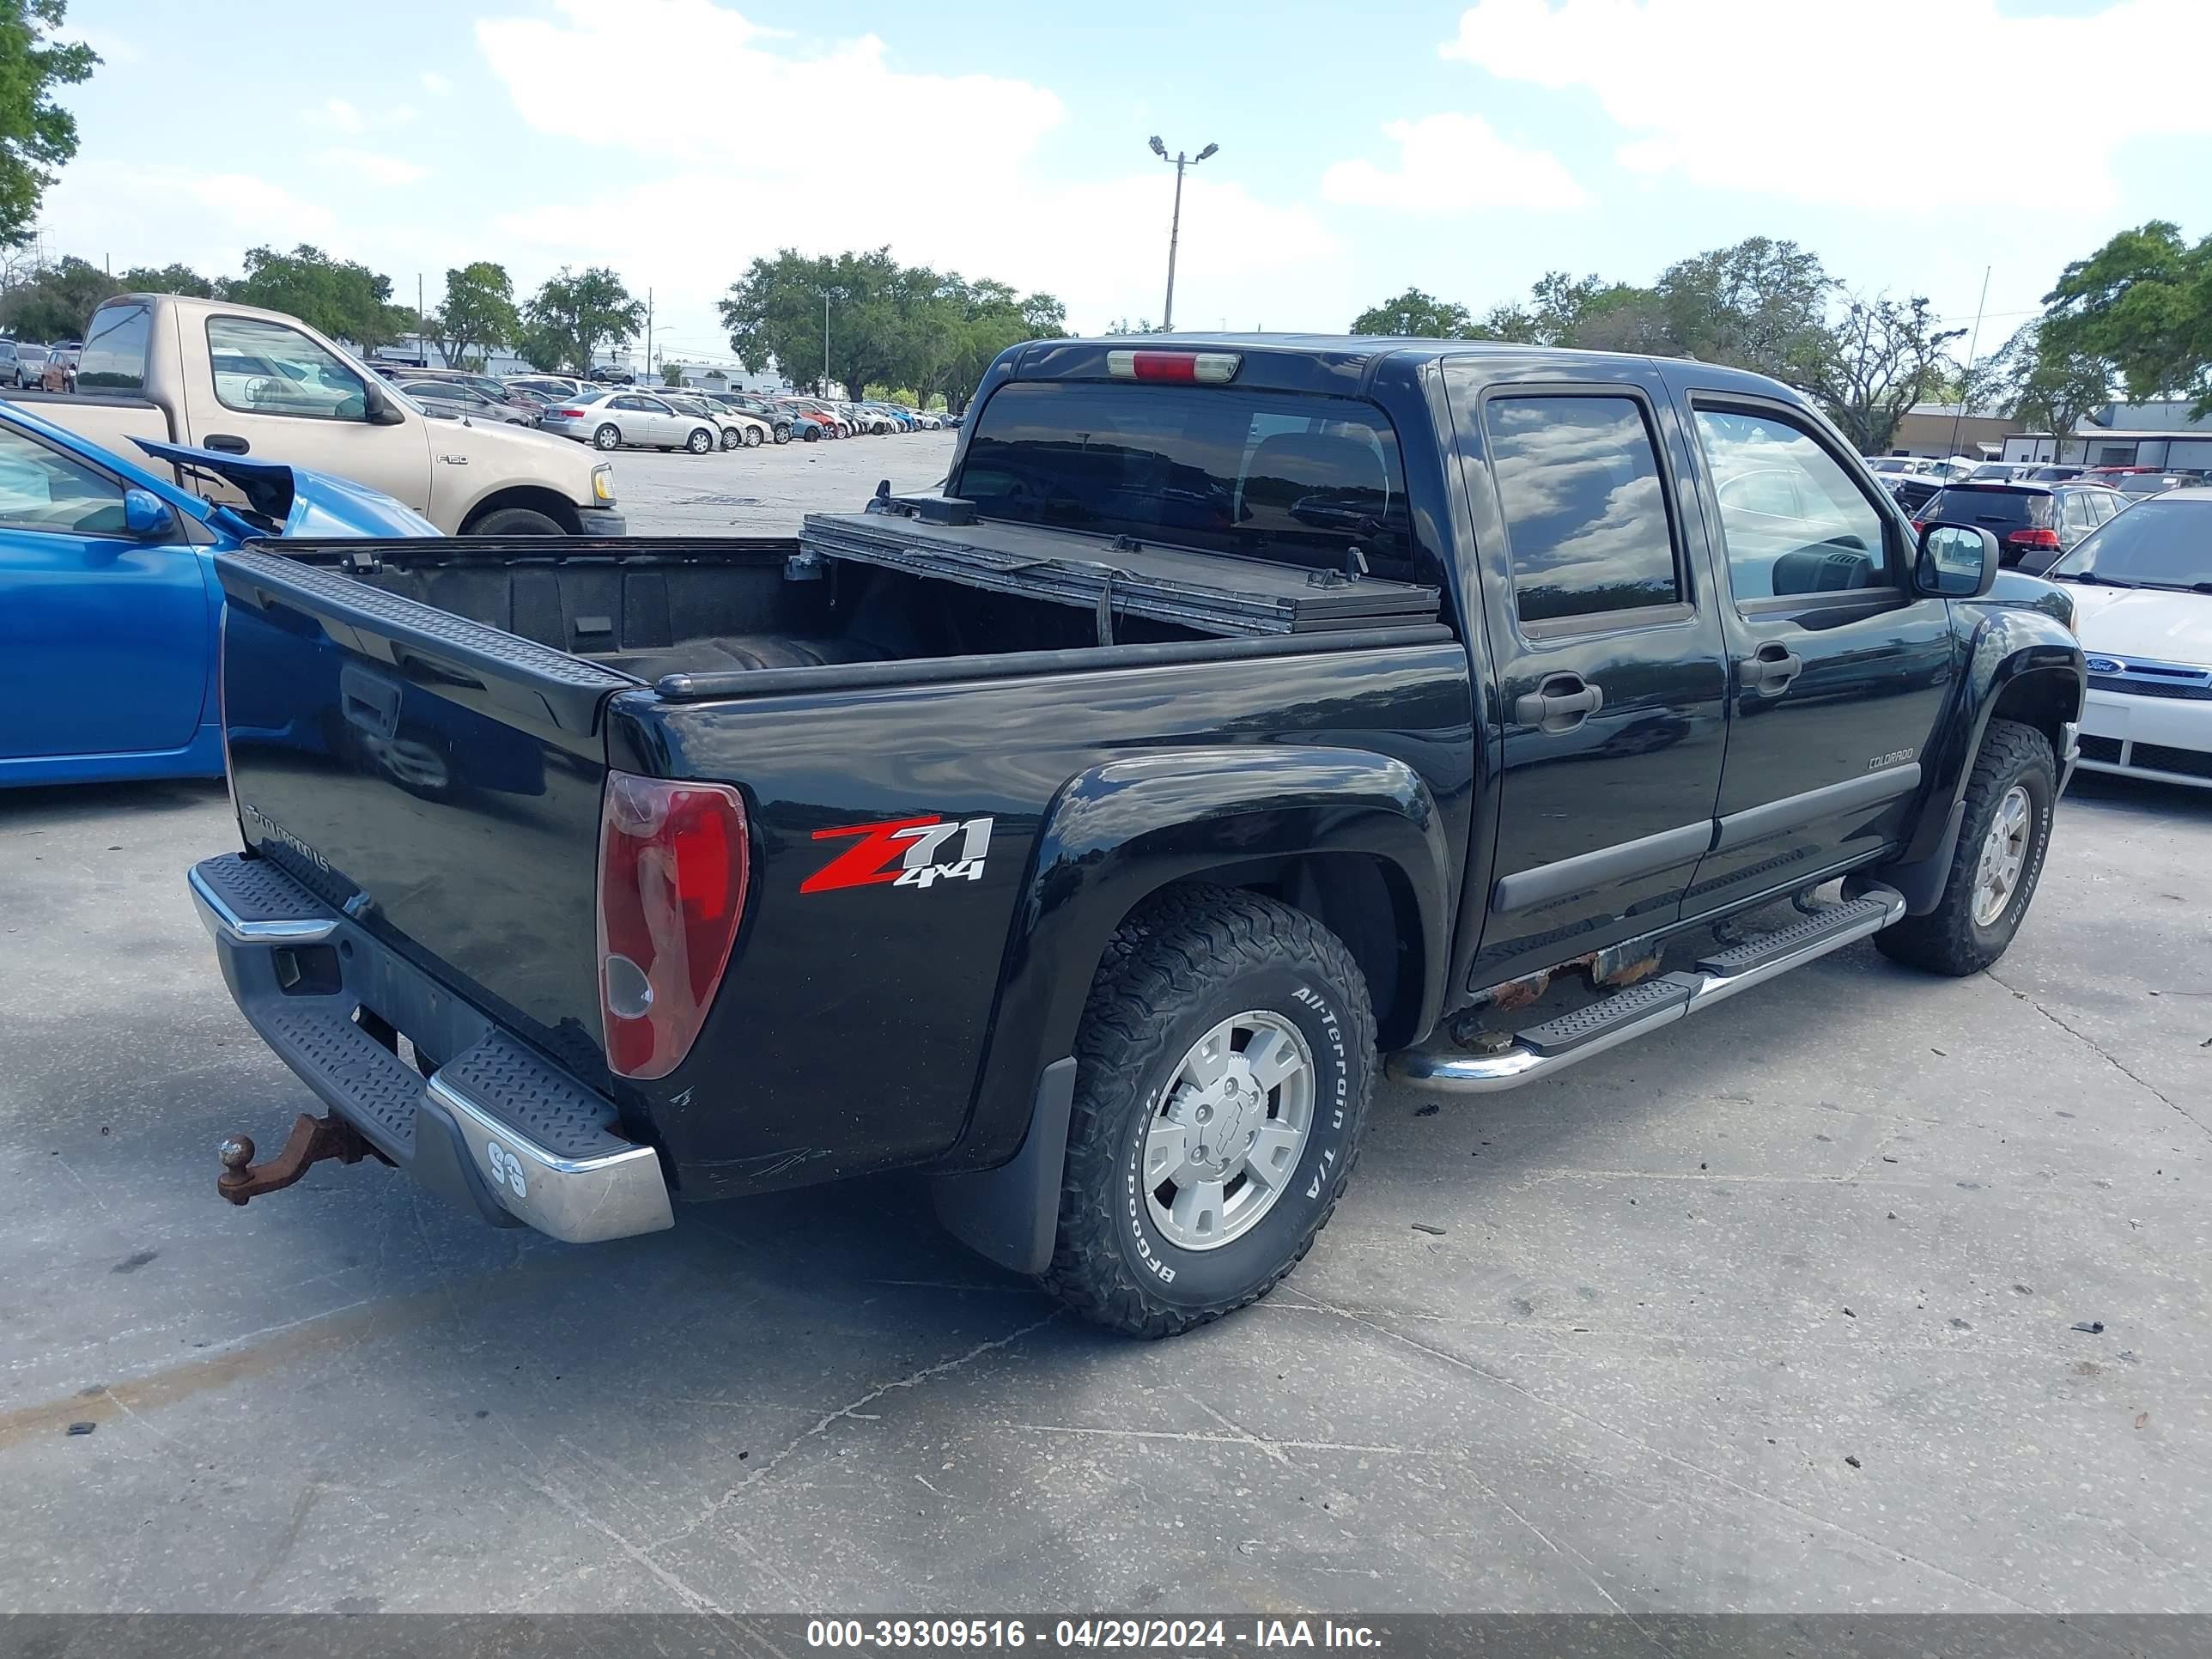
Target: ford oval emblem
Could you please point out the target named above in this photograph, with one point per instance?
(2104, 665)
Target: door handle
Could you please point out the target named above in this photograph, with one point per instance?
(228, 443)
(1560, 703)
(1769, 672)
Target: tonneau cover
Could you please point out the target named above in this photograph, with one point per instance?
(1213, 592)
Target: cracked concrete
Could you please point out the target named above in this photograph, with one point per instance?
(1622, 1378)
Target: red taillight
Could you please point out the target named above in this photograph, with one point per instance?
(2033, 538)
(1919, 526)
(673, 863)
(1191, 368)
(567, 414)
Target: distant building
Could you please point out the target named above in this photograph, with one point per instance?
(1941, 429)
(2162, 433)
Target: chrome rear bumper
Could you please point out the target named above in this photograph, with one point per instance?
(497, 1127)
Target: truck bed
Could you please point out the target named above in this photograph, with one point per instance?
(419, 732)
(687, 613)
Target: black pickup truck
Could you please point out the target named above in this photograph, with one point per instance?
(1246, 715)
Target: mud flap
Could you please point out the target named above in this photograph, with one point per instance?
(1011, 1215)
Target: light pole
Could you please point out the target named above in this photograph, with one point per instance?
(1175, 225)
(825, 342)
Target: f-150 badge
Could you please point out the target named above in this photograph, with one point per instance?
(904, 852)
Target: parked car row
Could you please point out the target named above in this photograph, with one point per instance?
(617, 414)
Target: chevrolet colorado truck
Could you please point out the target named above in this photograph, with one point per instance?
(171, 368)
(1246, 716)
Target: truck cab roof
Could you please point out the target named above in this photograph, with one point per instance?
(1346, 364)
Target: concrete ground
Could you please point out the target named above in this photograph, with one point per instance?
(764, 491)
(1775, 1310)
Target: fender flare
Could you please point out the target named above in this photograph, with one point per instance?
(1113, 836)
(2008, 644)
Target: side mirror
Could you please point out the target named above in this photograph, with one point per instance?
(380, 410)
(146, 516)
(1956, 561)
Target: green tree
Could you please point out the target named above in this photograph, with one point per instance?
(888, 324)
(2047, 382)
(477, 314)
(37, 135)
(1760, 305)
(2143, 302)
(56, 302)
(777, 311)
(1415, 315)
(167, 279)
(1880, 358)
(576, 313)
(340, 297)
(671, 372)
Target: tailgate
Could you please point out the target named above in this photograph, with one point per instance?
(437, 779)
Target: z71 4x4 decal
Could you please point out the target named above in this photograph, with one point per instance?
(904, 852)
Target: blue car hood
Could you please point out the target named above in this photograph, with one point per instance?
(292, 501)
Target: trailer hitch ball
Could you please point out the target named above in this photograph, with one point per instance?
(312, 1141)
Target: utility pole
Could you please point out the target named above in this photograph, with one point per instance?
(422, 323)
(825, 342)
(1967, 385)
(1175, 224)
(648, 329)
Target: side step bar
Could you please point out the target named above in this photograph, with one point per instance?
(1543, 1049)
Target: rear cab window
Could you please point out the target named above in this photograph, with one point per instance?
(1296, 478)
(114, 355)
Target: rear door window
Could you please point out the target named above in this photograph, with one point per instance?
(1586, 520)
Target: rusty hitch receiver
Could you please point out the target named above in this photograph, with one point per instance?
(312, 1141)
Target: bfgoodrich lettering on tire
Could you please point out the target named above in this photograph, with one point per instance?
(1223, 1071)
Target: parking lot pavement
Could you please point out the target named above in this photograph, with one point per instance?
(1860, 1214)
(765, 491)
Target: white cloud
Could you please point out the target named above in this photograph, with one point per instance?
(402, 115)
(1100, 245)
(1453, 163)
(1811, 102)
(374, 168)
(150, 213)
(339, 115)
(435, 84)
(747, 100)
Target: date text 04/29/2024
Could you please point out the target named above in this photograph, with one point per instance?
(1129, 1635)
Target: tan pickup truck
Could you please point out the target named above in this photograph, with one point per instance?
(248, 381)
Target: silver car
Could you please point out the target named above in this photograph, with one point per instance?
(619, 415)
(454, 398)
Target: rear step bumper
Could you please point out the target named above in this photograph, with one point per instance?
(1540, 1050)
(496, 1128)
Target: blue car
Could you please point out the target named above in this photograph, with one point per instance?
(110, 611)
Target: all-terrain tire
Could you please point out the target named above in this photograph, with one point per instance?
(1947, 940)
(1191, 959)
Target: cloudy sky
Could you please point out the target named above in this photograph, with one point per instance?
(1465, 149)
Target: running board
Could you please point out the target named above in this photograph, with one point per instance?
(1543, 1049)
